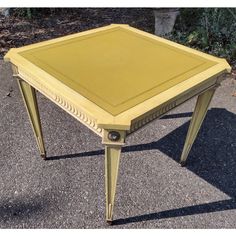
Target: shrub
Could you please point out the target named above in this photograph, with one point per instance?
(212, 30)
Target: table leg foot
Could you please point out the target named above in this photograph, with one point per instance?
(43, 156)
(109, 222)
(183, 163)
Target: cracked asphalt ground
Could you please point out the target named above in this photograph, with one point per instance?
(153, 191)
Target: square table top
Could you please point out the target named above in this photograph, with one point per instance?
(118, 67)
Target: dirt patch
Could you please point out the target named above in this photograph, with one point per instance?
(16, 31)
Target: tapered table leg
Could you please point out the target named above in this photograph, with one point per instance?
(198, 116)
(30, 100)
(112, 158)
(113, 140)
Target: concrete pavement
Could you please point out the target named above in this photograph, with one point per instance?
(67, 191)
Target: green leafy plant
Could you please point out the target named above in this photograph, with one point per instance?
(212, 30)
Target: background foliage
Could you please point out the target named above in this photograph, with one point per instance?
(212, 30)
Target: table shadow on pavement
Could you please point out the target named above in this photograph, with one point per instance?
(211, 158)
(21, 209)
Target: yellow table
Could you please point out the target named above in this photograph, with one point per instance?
(115, 79)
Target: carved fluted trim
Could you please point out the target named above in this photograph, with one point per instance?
(138, 123)
(81, 116)
(64, 103)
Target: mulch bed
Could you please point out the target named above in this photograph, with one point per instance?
(16, 31)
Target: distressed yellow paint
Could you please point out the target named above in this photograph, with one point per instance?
(116, 72)
(116, 78)
(104, 66)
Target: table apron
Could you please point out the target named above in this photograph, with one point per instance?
(67, 105)
(73, 109)
(171, 104)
